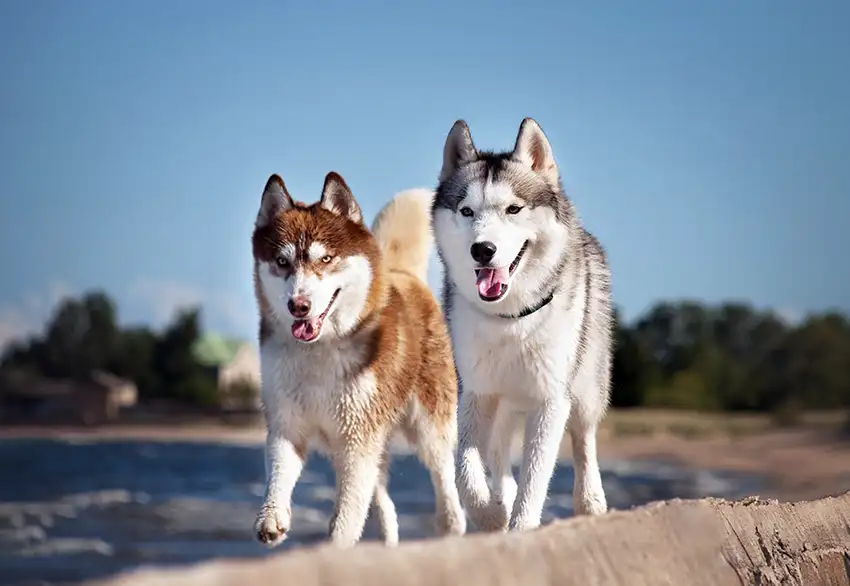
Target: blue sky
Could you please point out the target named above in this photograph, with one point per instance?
(705, 143)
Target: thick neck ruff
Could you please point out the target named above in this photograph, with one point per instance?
(531, 308)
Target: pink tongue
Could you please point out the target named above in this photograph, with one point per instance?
(490, 281)
(306, 330)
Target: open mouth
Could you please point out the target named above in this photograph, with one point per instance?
(308, 330)
(493, 283)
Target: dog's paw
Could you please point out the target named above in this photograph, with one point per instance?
(591, 504)
(491, 517)
(451, 524)
(272, 526)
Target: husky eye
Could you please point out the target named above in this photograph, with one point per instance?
(281, 262)
(466, 212)
(327, 258)
(513, 209)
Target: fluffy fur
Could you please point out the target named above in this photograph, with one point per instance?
(528, 300)
(353, 347)
(404, 232)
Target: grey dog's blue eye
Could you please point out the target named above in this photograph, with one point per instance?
(465, 211)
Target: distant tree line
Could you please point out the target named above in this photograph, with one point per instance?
(83, 334)
(732, 357)
(686, 355)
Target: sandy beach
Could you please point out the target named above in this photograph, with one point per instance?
(88, 502)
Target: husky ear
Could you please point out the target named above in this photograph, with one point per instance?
(337, 198)
(458, 151)
(532, 148)
(275, 200)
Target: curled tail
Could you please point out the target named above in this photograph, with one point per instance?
(403, 231)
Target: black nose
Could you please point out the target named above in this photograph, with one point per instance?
(298, 306)
(483, 252)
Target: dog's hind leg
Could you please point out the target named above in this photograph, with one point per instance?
(384, 506)
(588, 494)
(590, 402)
(435, 446)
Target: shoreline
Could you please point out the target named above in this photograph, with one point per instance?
(798, 463)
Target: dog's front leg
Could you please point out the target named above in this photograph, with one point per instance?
(357, 471)
(499, 460)
(474, 428)
(544, 429)
(285, 455)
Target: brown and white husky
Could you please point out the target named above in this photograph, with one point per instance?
(353, 346)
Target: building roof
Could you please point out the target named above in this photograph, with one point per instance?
(213, 349)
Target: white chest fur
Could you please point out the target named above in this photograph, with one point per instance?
(315, 390)
(525, 360)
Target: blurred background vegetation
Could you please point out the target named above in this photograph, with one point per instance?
(679, 355)
(83, 335)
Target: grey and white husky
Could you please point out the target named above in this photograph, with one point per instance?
(527, 297)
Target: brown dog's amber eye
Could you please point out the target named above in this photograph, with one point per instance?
(282, 262)
(327, 258)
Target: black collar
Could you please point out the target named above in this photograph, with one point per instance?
(529, 310)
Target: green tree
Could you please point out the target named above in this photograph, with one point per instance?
(81, 336)
(134, 358)
(634, 371)
(809, 367)
(181, 375)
